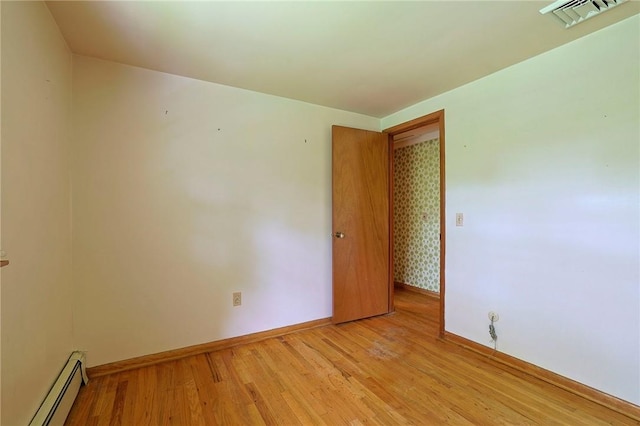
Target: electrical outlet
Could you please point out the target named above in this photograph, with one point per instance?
(493, 316)
(459, 219)
(237, 299)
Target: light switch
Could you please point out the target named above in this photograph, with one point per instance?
(459, 219)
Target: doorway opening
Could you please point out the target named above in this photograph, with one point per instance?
(417, 208)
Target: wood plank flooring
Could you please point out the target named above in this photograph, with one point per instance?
(382, 371)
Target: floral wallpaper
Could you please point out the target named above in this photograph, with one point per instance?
(416, 215)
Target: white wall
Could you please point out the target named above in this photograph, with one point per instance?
(36, 229)
(543, 160)
(186, 191)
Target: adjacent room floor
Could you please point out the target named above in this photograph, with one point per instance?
(384, 370)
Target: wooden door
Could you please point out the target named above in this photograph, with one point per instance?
(360, 223)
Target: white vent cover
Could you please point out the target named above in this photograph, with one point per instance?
(572, 12)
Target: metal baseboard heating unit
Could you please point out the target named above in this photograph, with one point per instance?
(572, 12)
(56, 406)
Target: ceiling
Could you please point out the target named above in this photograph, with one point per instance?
(370, 57)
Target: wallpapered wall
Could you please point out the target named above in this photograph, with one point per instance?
(416, 215)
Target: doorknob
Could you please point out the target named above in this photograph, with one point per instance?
(339, 235)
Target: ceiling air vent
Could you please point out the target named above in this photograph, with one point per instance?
(572, 12)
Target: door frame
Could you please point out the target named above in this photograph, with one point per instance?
(435, 117)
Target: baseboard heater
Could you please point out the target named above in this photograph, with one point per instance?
(56, 406)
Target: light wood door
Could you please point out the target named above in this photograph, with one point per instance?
(360, 223)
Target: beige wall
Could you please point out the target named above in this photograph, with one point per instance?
(185, 192)
(36, 216)
(542, 159)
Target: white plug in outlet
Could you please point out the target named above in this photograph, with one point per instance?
(493, 316)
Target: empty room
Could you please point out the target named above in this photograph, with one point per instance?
(320, 212)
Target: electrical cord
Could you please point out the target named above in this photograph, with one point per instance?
(493, 334)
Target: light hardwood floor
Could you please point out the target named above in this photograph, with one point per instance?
(385, 370)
